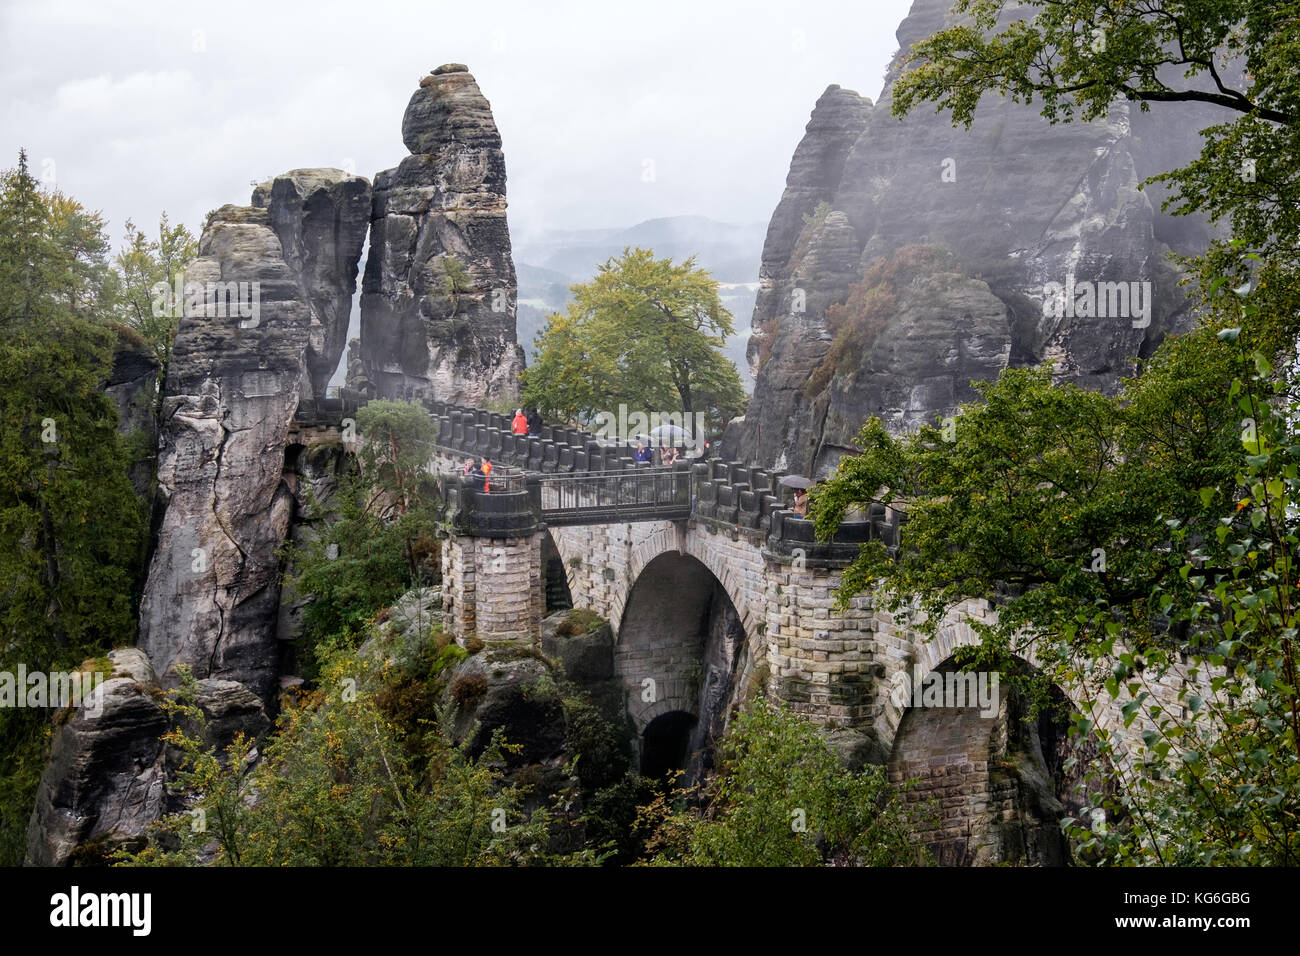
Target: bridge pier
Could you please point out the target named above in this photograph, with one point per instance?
(493, 587)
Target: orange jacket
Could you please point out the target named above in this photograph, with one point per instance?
(487, 475)
(520, 425)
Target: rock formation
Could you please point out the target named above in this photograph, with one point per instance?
(438, 297)
(132, 385)
(236, 378)
(105, 782)
(1019, 203)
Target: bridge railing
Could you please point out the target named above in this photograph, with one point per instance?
(636, 494)
(504, 479)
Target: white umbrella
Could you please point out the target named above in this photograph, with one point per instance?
(669, 435)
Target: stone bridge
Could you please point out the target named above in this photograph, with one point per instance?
(717, 593)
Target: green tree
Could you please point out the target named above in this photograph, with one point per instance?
(378, 538)
(336, 786)
(71, 527)
(644, 332)
(1110, 534)
(143, 263)
(782, 797)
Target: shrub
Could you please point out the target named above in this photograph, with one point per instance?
(468, 689)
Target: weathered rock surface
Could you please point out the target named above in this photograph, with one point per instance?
(312, 475)
(586, 658)
(132, 385)
(105, 781)
(511, 688)
(439, 297)
(235, 381)
(1019, 202)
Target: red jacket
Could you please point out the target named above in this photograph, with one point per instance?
(520, 425)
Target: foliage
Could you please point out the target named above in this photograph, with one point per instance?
(71, 527)
(782, 797)
(1119, 537)
(600, 753)
(337, 787)
(397, 443)
(646, 333)
(579, 621)
(455, 280)
(143, 264)
(1219, 778)
(378, 531)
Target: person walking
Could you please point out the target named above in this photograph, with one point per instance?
(519, 426)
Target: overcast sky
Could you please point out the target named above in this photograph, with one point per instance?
(137, 107)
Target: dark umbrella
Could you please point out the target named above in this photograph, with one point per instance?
(796, 481)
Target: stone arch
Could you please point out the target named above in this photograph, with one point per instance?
(991, 775)
(911, 651)
(603, 563)
(681, 650)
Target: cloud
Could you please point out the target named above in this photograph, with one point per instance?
(717, 93)
(140, 97)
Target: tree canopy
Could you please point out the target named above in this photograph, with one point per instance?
(71, 526)
(646, 333)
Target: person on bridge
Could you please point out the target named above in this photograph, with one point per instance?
(535, 423)
(469, 467)
(520, 424)
(643, 453)
(487, 475)
(800, 506)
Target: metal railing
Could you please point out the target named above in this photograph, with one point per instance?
(505, 479)
(642, 494)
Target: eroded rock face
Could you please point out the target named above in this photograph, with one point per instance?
(438, 298)
(105, 781)
(132, 385)
(1019, 202)
(212, 594)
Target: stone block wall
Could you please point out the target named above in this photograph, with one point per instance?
(493, 588)
(820, 660)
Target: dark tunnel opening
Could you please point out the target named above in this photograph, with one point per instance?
(665, 744)
(556, 582)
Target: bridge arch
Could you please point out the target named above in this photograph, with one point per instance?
(909, 652)
(681, 654)
(994, 773)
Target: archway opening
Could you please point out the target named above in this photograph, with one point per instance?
(988, 764)
(665, 744)
(554, 579)
(681, 649)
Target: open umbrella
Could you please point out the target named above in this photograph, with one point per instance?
(670, 435)
(796, 481)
